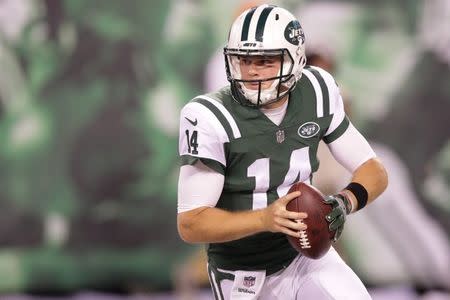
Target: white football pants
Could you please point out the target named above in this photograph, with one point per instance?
(325, 278)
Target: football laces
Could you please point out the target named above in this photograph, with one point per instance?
(303, 239)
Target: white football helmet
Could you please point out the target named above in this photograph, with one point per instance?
(265, 30)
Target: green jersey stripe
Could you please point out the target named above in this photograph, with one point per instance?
(211, 163)
(226, 114)
(218, 115)
(318, 91)
(246, 25)
(325, 93)
(338, 131)
(262, 23)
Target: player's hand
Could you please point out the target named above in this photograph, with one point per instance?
(341, 208)
(276, 218)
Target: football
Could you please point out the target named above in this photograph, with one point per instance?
(316, 239)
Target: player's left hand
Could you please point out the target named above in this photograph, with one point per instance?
(341, 208)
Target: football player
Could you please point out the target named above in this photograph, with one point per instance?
(244, 146)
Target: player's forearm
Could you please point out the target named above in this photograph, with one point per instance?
(373, 177)
(213, 225)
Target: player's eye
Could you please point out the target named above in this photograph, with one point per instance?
(258, 62)
(245, 61)
(261, 62)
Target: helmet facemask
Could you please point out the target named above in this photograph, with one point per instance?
(258, 96)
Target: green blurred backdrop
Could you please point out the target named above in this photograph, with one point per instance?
(89, 98)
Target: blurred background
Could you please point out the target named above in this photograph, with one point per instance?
(90, 93)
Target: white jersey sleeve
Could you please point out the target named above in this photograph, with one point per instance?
(351, 149)
(201, 137)
(198, 186)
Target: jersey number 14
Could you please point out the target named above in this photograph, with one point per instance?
(192, 142)
(299, 169)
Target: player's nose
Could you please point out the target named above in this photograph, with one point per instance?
(252, 69)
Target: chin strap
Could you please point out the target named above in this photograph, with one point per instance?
(261, 97)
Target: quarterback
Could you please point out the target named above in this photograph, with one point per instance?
(243, 146)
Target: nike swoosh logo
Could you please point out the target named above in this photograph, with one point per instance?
(192, 122)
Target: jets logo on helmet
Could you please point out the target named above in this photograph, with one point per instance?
(265, 31)
(294, 33)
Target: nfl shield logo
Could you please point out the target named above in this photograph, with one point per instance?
(280, 136)
(249, 281)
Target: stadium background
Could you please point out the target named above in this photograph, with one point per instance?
(89, 98)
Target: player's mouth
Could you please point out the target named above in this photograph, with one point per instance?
(253, 85)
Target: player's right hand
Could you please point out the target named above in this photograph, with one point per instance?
(276, 218)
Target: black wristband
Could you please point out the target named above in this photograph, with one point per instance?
(360, 193)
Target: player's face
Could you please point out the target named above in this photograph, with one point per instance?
(259, 68)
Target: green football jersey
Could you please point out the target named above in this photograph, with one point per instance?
(259, 159)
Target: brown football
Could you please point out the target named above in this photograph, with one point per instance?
(316, 239)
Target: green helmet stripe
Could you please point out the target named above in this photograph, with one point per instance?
(262, 23)
(246, 25)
